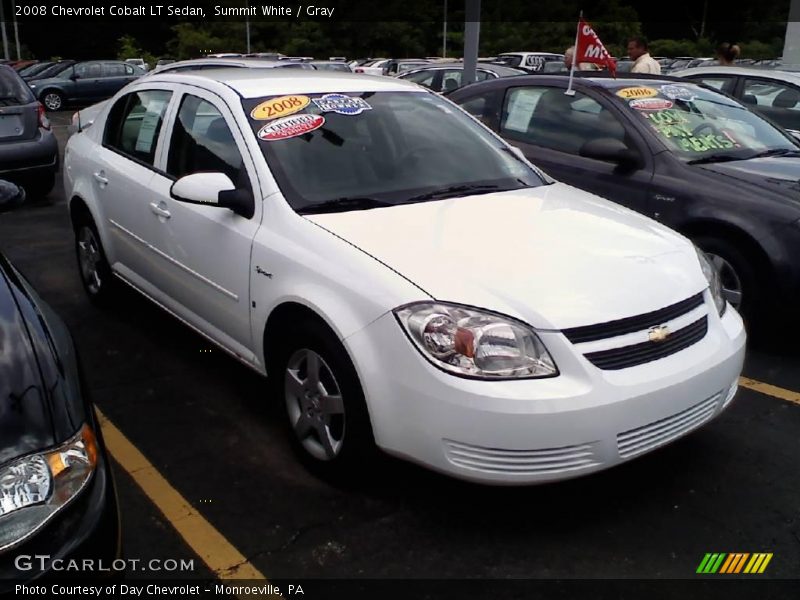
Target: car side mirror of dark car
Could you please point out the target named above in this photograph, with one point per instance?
(11, 196)
(74, 77)
(213, 189)
(611, 150)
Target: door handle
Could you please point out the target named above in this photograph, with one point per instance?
(161, 212)
(101, 178)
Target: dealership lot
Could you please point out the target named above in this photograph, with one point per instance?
(208, 427)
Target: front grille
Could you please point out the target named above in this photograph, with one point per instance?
(645, 438)
(601, 331)
(521, 462)
(638, 354)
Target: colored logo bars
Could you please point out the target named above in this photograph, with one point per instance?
(742, 562)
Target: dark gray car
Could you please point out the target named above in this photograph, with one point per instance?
(85, 82)
(28, 148)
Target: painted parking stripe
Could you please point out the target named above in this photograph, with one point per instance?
(210, 545)
(770, 390)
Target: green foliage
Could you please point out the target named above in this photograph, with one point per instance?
(129, 48)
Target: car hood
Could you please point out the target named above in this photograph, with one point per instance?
(780, 174)
(41, 402)
(553, 256)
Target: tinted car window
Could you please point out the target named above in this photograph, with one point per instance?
(134, 124)
(549, 118)
(13, 90)
(422, 77)
(88, 70)
(113, 70)
(388, 146)
(723, 84)
(780, 102)
(202, 141)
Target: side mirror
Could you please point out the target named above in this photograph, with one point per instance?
(213, 189)
(610, 150)
(74, 77)
(11, 196)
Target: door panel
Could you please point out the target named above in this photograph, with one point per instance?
(205, 250)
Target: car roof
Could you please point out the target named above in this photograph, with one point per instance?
(742, 71)
(253, 63)
(254, 83)
(496, 68)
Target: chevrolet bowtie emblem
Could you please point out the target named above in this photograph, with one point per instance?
(659, 334)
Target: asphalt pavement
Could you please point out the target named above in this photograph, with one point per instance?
(209, 427)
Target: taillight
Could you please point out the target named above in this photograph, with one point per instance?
(359, 70)
(44, 122)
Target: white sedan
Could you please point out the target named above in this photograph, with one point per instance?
(403, 276)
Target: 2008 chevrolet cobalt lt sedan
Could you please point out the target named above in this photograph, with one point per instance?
(406, 279)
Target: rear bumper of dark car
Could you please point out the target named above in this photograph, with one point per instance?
(29, 158)
(87, 530)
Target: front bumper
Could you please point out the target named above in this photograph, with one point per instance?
(30, 158)
(528, 431)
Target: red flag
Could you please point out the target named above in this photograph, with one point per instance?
(589, 48)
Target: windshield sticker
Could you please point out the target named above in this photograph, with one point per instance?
(650, 104)
(289, 127)
(341, 104)
(678, 92)
(672, 125)
(279, 107)
(636, 92)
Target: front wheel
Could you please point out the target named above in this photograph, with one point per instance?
(327, 415)
(53, 100)
(741, 285)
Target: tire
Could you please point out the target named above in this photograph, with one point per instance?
(53, 100)
(737, 270)
(40, 187)
(328, 423)
(93, 267)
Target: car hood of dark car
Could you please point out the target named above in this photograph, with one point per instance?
(779, 174)
(39, 406)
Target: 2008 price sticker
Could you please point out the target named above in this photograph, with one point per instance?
(279, 107)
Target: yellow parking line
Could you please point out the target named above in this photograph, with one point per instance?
(209, 544)
(770, 390)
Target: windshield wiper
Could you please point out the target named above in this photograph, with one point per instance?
(455, 190)
(776, 152)
(342, 204)
(715, 158)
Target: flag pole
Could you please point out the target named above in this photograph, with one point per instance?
(570, 91)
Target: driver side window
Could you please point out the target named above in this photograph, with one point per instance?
(546, 117)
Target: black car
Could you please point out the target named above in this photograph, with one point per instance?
(87, 82)
(28, 148)
(51, 70)
(682, 153)
(57, 494)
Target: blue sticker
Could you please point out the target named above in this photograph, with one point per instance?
(678, 92)
(341, 104)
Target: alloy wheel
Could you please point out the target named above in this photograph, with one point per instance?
(731, 283)
(314, 404)
(89, 257)
(53, 101)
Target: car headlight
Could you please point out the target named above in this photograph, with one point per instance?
(34, 488)
(474, 343)
(714, 282)
(32, 86)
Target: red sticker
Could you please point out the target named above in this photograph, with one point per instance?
(289, 127)
(650, 104)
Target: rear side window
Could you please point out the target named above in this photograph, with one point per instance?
(202, 142)
(113, 70)
(13, 89)
(134, 124)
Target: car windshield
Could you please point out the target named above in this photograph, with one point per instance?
(509, 60)
(697, 124)
(54, 70)
(363, 150)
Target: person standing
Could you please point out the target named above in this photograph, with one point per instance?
(569, 55)
(640, 54)
(727, 54)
